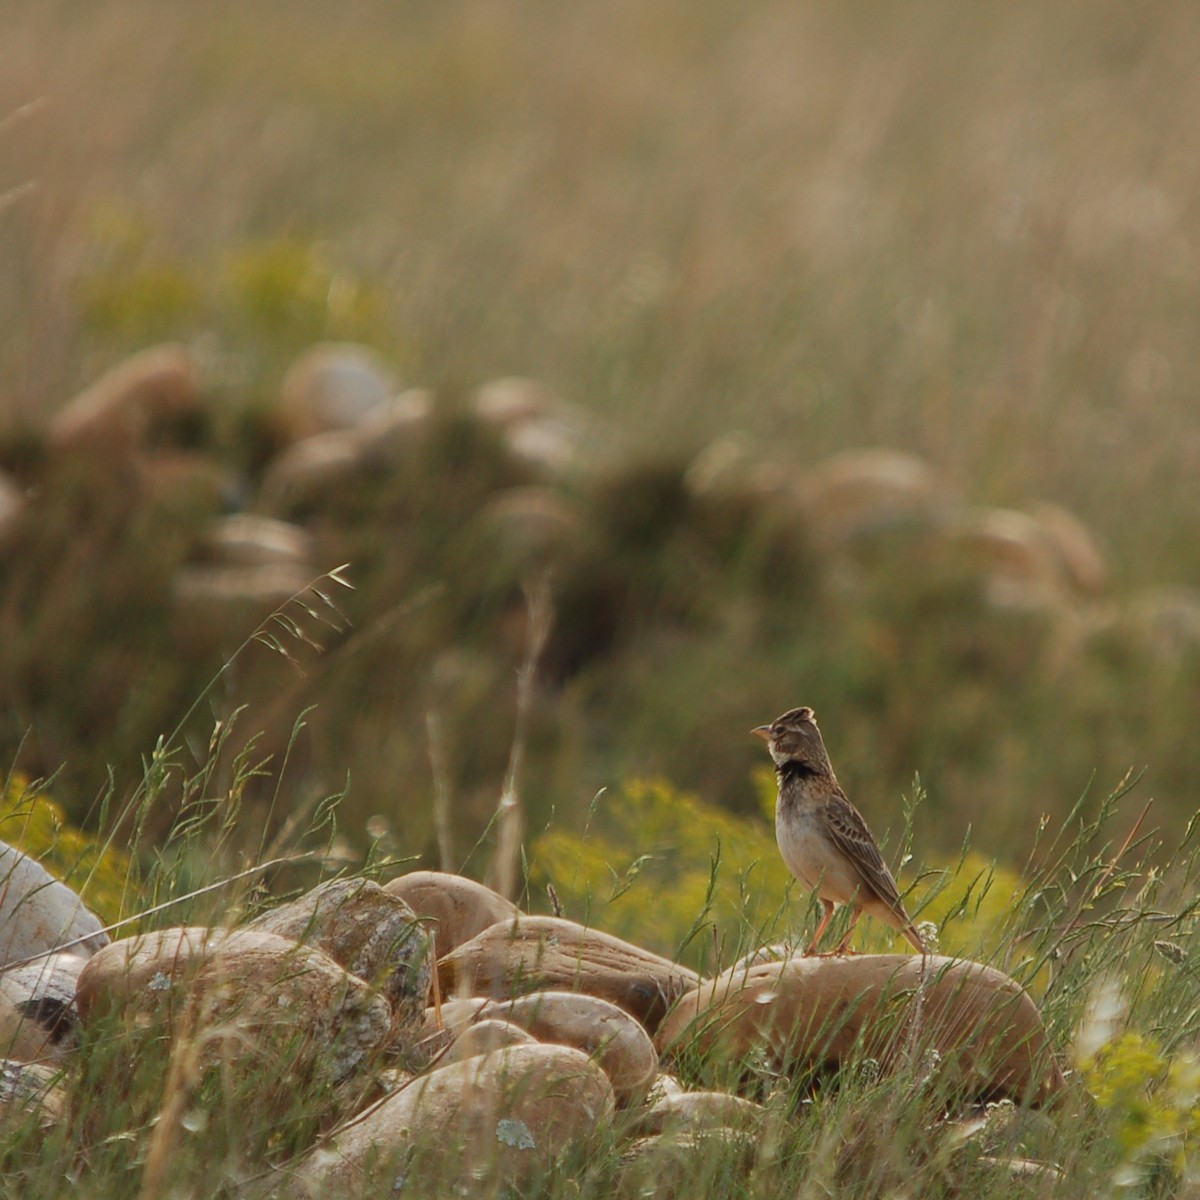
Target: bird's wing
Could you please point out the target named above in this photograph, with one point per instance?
(852, 837)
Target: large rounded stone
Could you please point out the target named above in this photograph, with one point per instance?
(249, 540)
(1017, 561)
(485, 1037)
(370, 932)
(392, 435)
(128, 405)
(972, 1021)
(1080, 553)
(600, 1029)
(30, 1092)
(865, 492)
(309, 475)
(333, 386)
(218, 607)
(456, 908)
(38, 1015)
(697, 1112)
(686, 1164)
(38, 913)
(258, 998)
(548, 953)
(499, 1118)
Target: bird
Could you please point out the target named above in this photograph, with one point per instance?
(822, 837)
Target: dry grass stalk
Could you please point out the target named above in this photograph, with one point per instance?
(442, 793)
(503, 871)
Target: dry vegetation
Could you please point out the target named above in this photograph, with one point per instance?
(966, 232)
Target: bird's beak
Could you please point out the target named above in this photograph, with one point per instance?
(763, 731)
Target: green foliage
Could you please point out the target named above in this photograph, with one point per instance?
(1151, 1105)
(285, 289)
(263, 297)
(656, 865)
(32, 821)
(660, 867)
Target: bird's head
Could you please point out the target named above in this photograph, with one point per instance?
(795, 738)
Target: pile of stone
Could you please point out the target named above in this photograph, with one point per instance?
(342, 419)
(451, 1038)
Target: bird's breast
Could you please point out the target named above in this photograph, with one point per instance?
(811, 856)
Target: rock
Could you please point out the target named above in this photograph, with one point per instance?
(442, 1024)
(505, 402)
(678, 1166)
(1166, 621)
(542, 434)
(332, 386)
(1020, 564)
(861, 493)
(128, 407)
(503, 1117)
(1080, 556)
(540, 953)
(38, 913)
(547, 447)
(309, 475)
(807, 1013)
(43, 1020)
(604, 1032)
(456, 908)
(217, 607)
(371, 932)
(485, 1037)
(391, 434)
(248, 540)
(530, 525)
(185, 484)
(664, 1087)
(275, 1004)
(28, 1091)
(729, 468)
(22, 1038)
(694, 1112)
(455, 1014)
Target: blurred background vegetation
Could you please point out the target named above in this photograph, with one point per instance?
(730, 241)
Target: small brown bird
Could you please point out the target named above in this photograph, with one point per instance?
(823, 839)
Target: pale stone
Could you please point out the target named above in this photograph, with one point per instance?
(504, 1116)
(122, 408)
(333, 386)
(38, 913)
(369, 931)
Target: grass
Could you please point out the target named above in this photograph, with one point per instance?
(1104, 940)
(1098, 927)
(964, 235)
(963, 232)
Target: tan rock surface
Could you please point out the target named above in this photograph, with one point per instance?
(502, 1116)
(549, 953)
(604, 1032)
(456, 908)
(812, 1012)
(262, 997)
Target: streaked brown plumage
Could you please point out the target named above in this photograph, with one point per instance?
(822, 837)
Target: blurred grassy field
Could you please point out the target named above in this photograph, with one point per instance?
(966, 231)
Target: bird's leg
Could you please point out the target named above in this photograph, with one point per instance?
(844, 944)
(827, 905)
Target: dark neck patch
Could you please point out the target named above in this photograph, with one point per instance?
(794, 770)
